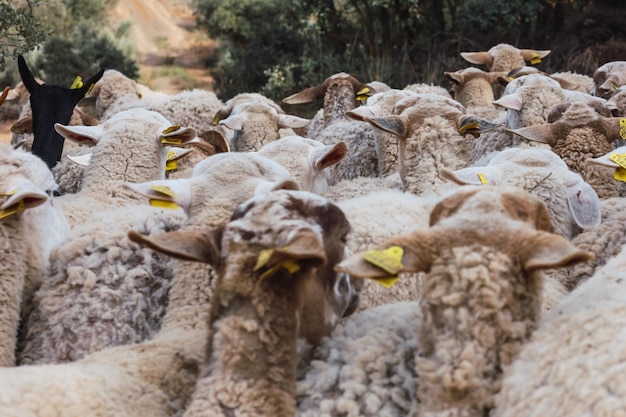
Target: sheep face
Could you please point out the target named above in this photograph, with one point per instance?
(287, 240)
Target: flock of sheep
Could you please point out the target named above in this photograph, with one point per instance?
(406, 252)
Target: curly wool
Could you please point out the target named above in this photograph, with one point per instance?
(377, 217)
(102, 289)
(575, 362)
(366, 367)
(435, 144)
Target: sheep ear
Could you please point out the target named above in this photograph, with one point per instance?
(304, 245)
(88, 85)
(361, 112)
(455, 77)
(174, 153)
(24, 196)
(329, 155)
(470, 124)
(176, 135)
(392, 124)
(306, 95)
(543, 250)
(289, 121)
(488, 175)
(605, 160)
(533, 56)
(216, 138)
(82, 160)
(83, 135)
(4, 94)
(235, 121)
(478, 58)
(583, 202)
(537, 133)
(188, 245)
(86, 118)
(510, 102)
(27, 77)
(170, 194)
(24, 125)
(409, 253)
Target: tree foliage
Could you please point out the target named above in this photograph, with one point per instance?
(279, 46)
(20, 30)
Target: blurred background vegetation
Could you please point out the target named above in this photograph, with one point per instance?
(277, 47)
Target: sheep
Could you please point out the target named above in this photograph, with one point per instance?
(256, 124)
(31, 227)
(618, 100)
(131, 146)
(362, 186)
(567, 80)
(306, 160)
(608, 78)
(483, 255)
(97, 254)
(581, 133)
(274, 263)
(504, 57)
(47, 143)
(573, 205)
(340, 93)
(474, 89)
(386, 144)
(427, 127)
(112, 87)
(573, 364)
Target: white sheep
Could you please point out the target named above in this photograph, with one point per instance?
(427, 127)
(97, 267)
(483, 255)
(256, 123)
(307, 160)
(131, 146)
(31, 227)
(574, 362)
(567, 79)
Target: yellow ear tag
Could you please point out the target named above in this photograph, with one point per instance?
(620, 174)
(389, 260)
(363, 91)
(171, 129)
(290, 264)
(622, 128)
(163, 189)
(619, 159)
(78, 83)
(470, 126)
(163, 204)
(171, 141)
(171, 163)
(16, 208)
(511, 78)
(216, 120)
(534, 58)
(482, 178)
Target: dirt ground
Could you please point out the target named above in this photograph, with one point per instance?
(171, 50)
